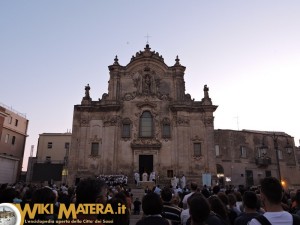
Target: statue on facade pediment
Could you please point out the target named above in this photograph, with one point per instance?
(206, 100)
(87, 91)
(86, 100)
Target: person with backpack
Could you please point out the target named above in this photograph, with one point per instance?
(271, 195)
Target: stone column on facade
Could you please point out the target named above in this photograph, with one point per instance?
(116, 150)
(211, 158)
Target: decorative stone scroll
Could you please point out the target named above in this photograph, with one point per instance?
(111, 121)
(209, 121)
(95, 139)
(143, 143)
(129, 96)
(182, 121)
(84, 122)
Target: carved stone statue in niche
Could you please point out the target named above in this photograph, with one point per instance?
(145, 85)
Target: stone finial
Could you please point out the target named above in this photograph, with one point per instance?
(177, 61)
(116, 60)
(147, 47)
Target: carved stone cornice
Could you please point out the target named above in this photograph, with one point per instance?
(191, 106)
(99, 106)
(145, 143)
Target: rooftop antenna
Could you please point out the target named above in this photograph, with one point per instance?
(237, 122)
(31, 151)
(147, 36)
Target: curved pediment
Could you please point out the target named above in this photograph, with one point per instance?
(144, 58)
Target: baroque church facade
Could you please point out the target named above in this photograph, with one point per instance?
(146, 122)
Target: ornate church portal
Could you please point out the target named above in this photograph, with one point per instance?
(146, 122)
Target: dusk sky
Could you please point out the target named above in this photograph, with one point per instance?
(247, 52)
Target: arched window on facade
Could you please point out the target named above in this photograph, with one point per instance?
(146, 124)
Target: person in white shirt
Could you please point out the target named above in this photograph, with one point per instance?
(182, 181)
(194, 187)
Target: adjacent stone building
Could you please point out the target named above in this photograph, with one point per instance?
(50, 163)
(13, 134)
(244, 157)
(146, 122)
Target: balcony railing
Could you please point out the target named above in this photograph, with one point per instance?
(262, 161)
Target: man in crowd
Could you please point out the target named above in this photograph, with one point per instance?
(271, 195)
(250, 204)
(170, 211)
(194, 187)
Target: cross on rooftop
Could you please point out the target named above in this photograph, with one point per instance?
(147, 38)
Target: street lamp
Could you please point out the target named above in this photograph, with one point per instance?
(288, 148)
(275, 138)
(263, 148)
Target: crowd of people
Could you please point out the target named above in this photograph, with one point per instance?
(114, 180)
(269, 204)
(191, 205)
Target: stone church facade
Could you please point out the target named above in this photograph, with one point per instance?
(146, 122)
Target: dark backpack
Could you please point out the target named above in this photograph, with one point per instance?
(264, 221)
